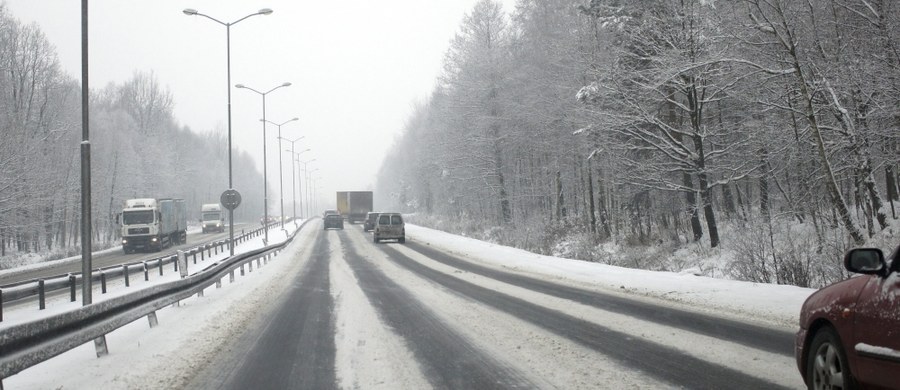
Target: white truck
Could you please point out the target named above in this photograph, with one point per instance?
(153, 224)
(212, 218)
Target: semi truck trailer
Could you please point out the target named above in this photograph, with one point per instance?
(354, 205)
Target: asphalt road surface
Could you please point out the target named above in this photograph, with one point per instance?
(365, 315)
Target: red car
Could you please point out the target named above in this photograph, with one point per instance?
(850, 331)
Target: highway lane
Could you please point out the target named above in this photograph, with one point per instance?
(365, 315)
(117, 257)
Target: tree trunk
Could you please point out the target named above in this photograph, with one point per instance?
(693, 207)
(592, 210)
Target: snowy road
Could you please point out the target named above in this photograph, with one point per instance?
(336, 310)
(360, 315)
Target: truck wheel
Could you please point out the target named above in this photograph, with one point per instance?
(377, 240)
(402, 240)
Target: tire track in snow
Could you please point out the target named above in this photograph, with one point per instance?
(664, 363)
(754, 336)
(449, 360)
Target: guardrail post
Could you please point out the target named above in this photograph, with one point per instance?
(231, 277)
(41, 304)
(202, 253)
(160, 266)
(1, 320)
(217, 248)
(242, 271)
(181, 257)
(146, 272)
(71, 288)
(194, 252)
(100, 346)
(103, 282)
(175, 263)
(250, 263)
(218, 285)
(125, 273)
(209, 250)
(152, 319)
(257, 262)
(200, 293)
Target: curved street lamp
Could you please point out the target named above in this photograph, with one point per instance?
(193, 12)
(265, 172)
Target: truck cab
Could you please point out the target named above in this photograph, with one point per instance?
(212, 219)
(152, 224)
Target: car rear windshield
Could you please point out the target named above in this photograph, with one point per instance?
(390, 220)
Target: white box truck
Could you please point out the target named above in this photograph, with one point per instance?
(212, 218)
(153, 224)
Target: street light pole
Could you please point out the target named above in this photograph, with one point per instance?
(265, 171)
(296, 158)
(311, 188)
(281, 165)
(306, 178)
(293, 142)
(193, 12)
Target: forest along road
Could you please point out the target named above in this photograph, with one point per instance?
(109, 259)
(365, 315)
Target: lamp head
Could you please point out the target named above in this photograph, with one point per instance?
(240, 86)
(286, 84)
(265, 11)
(295, 119)
(190, 11)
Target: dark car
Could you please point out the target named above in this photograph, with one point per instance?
(850, 331)
(334, 221)
(369, 225)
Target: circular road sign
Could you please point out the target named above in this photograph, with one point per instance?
(230, 199)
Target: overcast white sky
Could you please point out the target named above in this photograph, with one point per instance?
(357, 68)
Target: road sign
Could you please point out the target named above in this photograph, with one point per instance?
(231, 199)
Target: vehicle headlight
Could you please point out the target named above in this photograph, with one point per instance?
(153, 239)
(124, 241)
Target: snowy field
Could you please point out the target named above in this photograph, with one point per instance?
(192, 334)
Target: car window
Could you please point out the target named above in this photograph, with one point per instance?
(384, 220)
(396, 220)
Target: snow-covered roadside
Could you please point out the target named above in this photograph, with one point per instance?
(776, 304)
(27, 310)
(188, 336)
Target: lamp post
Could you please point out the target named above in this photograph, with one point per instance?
(281, 165)
(293, 180)
(193, 12)
(265, 171)
(306, 177)
(310, 188)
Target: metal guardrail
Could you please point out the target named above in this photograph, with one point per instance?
(28, 344)
(41, 286)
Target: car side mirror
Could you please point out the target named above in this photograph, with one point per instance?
(865, 261)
